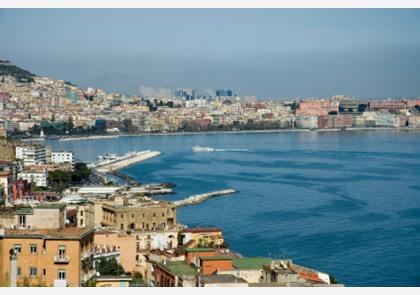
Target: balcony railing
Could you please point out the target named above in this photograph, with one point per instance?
(61, 259)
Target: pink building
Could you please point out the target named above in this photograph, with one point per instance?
(387, 105)
(316, 108)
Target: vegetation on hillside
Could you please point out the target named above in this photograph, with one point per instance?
(8, 69)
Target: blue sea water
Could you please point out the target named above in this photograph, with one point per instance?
(346, 203)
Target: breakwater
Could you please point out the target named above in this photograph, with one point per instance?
(125, 161)
(196, 199)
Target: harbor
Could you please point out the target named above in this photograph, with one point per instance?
(111, 163)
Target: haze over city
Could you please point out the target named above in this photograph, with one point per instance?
(367, 53)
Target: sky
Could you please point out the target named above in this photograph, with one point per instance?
(270, 53)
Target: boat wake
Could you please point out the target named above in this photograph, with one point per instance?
(231, 150)
(198, 149)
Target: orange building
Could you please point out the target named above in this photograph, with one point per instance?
(48, 257)
(210, 265)
(192, 255)
(125, 244)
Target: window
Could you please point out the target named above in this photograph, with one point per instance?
(18, 248)
(142, 215)
(163, 214)
(81, 213)
(44, 272)
(61, 274)
(81, 222)
(61, 251)
(22, 220)
(122, 215)
(132, 216)
(32, 271)
(18, 272)
(154, 214)
(33, 249)
(122, 226)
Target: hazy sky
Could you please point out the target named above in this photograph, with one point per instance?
(284, 53)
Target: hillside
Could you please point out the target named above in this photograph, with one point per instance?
(9, 69)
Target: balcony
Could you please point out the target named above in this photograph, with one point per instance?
(61, 259)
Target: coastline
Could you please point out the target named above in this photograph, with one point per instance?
(97, 137)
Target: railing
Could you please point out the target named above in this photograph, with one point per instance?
(61, 259)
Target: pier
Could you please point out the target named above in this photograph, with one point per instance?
(196, 199)
(124, 161)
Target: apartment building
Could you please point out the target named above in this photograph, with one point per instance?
(62, 157)
(46, 215)
(47, 257)
(155, 215)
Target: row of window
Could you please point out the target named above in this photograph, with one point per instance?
(144, 215)
(33, 272)
(33, 249)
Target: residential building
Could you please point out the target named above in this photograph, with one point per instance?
(48, 257)
(38, 177)
(31, 154)
(124, 243)
(202, 237)
(175, 274)
(112, 281)
(62, 157)
(46, 215)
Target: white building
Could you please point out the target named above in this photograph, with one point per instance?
(62, 157)
(38, 177)
(31, 154)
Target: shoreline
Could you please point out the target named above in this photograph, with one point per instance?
(97, 137)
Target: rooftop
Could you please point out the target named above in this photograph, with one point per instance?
(221, 279)
(221, 257)
(199, 250)
(51, 206)
(250, 262)
(179, 268)
(70, 233)
(202, 230)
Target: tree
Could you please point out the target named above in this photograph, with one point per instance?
(110, 267)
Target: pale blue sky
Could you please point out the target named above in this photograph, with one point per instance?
(284, 53)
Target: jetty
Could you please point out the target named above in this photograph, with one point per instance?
(124, 161)
(196, 199)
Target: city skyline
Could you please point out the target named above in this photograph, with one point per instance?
(276, 53)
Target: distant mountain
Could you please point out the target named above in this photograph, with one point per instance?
(9, 69)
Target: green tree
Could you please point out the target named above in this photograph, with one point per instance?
(110, 267)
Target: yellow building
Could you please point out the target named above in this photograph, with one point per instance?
(202, 237)
(112, 281)
(156, 215)
(48, 257)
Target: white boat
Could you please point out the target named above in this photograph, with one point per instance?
(199, 149)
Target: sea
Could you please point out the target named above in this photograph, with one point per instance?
(345, 202)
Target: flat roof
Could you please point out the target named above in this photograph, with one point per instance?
(112, 278)
(221, 257)
(69, 233)
(51, 206)
(250, 262)
(179, 268)
(221, 279)
(199, 250)
(201, 230)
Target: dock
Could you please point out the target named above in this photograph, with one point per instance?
(124, 161)
(196, 199)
